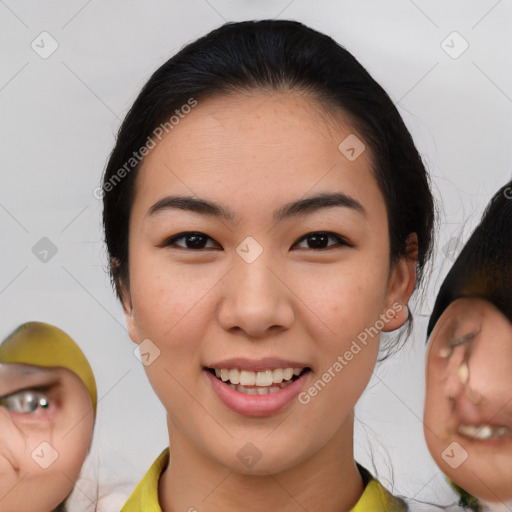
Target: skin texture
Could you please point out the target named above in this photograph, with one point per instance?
(485, 397)
(67, 425)
(253, 154)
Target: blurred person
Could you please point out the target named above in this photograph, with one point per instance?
(468, 405)
(47, 412)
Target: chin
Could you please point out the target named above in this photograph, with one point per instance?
(251, 461)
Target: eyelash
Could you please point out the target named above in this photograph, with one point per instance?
(171, 241)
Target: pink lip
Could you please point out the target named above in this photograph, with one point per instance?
(257, 405)
(469, 414)
(260, 365)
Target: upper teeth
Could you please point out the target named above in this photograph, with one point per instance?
(248, 378)
(483, 432)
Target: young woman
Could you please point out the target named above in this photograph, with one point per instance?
(47, 410)
(267, 216)
(468, 407)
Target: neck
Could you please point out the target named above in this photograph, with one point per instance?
(326, 481)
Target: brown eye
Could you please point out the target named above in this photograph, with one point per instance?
(192, 241)
(319, 240)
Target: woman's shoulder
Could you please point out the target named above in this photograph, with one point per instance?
(145, 496)
(375, 497)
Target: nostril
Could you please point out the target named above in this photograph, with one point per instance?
(455, 381)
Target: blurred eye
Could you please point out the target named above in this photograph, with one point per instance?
(456, 341)
(25, 402)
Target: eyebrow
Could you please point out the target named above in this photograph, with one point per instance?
(461, 339)
(458, 339)
(292, 209)
(23, 370)
(21, 377)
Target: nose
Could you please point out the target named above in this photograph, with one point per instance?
(257, 299)
(456, 373)
(490, 373)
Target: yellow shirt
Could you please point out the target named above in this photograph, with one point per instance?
(145, 497)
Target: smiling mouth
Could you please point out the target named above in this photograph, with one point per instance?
(258, 383)
(484, 432)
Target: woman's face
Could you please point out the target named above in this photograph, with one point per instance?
(468, 408)
(274, 277)
(46, 426)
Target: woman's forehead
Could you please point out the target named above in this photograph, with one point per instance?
(220, 159)
(248, 107)
(253, 133)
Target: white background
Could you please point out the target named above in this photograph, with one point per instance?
(59, 117)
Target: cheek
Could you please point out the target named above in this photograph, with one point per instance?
(25, 446)
(72, 429)
(44, 489)
(164, 296)
(435, 445)
(437, 406)
(345, 331)
(12, 453)
(72, 448)
(348, 303)
(73, 451)
(490, 369)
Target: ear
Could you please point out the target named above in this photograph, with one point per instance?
(401, 285)
(123, 291)
(129, 317)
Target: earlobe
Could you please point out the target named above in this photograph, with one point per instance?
(129, 316)
(396, 316)
(401, 285)
(131, 324)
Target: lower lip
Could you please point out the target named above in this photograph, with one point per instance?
(257, 405)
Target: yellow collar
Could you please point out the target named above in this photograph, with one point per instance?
(145, 496)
